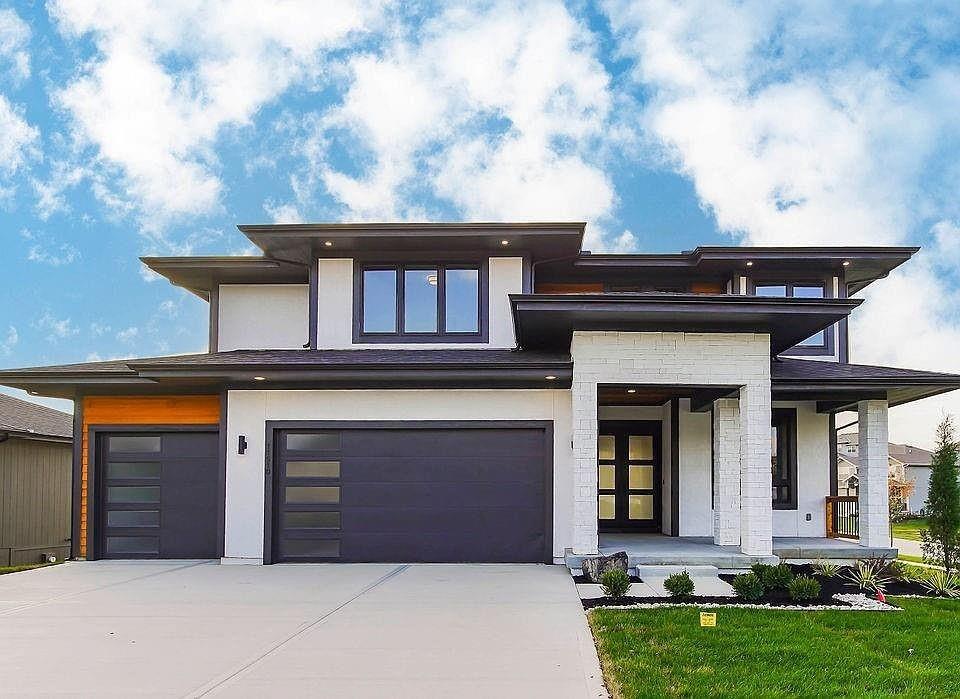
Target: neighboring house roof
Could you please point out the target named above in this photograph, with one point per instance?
(22, 418)
(909, 455)
(852, 459)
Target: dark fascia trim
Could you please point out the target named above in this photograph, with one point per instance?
(199, 275)
(271, 427)
(375, 229)
(34, 436)
(692, 258)
(708, 305)
(93, 495)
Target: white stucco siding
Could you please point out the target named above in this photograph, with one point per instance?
(813, 474)
(335, 306)
(696, 497)
(248, 411)
(262, 316)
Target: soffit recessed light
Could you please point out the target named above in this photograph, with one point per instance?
(328, 243)
(749, 263)
(504, 242)
(631, 390)
(259, 378)
(550, 377)
(846, 263)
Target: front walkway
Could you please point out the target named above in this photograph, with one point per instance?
(181, 628)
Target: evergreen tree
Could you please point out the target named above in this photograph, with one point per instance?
(941, 539)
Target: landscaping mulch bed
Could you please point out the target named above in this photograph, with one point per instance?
(830, 587)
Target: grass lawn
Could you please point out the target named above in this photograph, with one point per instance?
(653, 652)
(30, 566)
(909, 529)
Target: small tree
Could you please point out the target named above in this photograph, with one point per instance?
(941, 538)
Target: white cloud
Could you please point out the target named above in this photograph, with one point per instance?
(805, 125)
(10, 340)
(282, 213)
(168, 309)
(169, 78)
(498, 110)
(55, 328)
(53, 254)
(128, 335)
(17, 138)
(97, 329)
(14, 42)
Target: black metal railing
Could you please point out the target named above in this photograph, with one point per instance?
(843, 516)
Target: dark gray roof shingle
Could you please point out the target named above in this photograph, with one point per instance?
(782, 369)
(23, 417)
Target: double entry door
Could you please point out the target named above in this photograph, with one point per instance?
(628, 472)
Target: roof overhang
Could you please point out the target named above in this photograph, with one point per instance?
(858, 265)
(301, 243)
(200, 275)
(839, 387)
(548, 320)
(358, 369)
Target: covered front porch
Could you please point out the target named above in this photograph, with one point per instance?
(644, 549)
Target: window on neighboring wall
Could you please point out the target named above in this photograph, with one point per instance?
(783, 457)
(421, 302)
(797, 290)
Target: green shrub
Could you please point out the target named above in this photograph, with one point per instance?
(748, 587)
(777, 577)
(679, 585)
(615, 583)
(826, 569)
(870, 575)
(941, 583)
(907, 573)
(803, 588)
(759, 569)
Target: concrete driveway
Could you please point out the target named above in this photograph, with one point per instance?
(187, 628)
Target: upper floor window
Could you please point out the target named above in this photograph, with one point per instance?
(422, 302)
(795, 290)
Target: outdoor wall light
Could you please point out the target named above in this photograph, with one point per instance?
(241, 444)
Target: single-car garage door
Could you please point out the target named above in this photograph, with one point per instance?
(409, 492)
(157, 494)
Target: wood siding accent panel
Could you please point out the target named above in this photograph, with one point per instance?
(708, 288)
(35, 493)
(565, 288)
(137, 410)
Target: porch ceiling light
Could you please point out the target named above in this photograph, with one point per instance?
(550, 377)
(749, 263)
(846, 263)
(504, 242)
(631, 390)
(259, 378)
(328, 243)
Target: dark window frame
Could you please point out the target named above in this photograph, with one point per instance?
(441, 335)
(828, 348)
(785, 417)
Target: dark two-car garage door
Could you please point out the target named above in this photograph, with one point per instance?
(157, 494)
(402, 492)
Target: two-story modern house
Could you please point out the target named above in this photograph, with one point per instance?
(484, 392)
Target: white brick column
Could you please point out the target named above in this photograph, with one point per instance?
(585, 427)
(873, 472)
(726, 472)
(756, 501)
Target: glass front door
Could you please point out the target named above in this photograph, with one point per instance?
(628, 468)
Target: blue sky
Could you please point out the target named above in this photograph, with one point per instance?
(664, 125)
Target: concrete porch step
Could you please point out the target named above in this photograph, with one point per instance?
(720, 560)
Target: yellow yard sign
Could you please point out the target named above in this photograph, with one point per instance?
(708, 618)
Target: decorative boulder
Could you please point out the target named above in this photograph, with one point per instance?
(595, 566)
